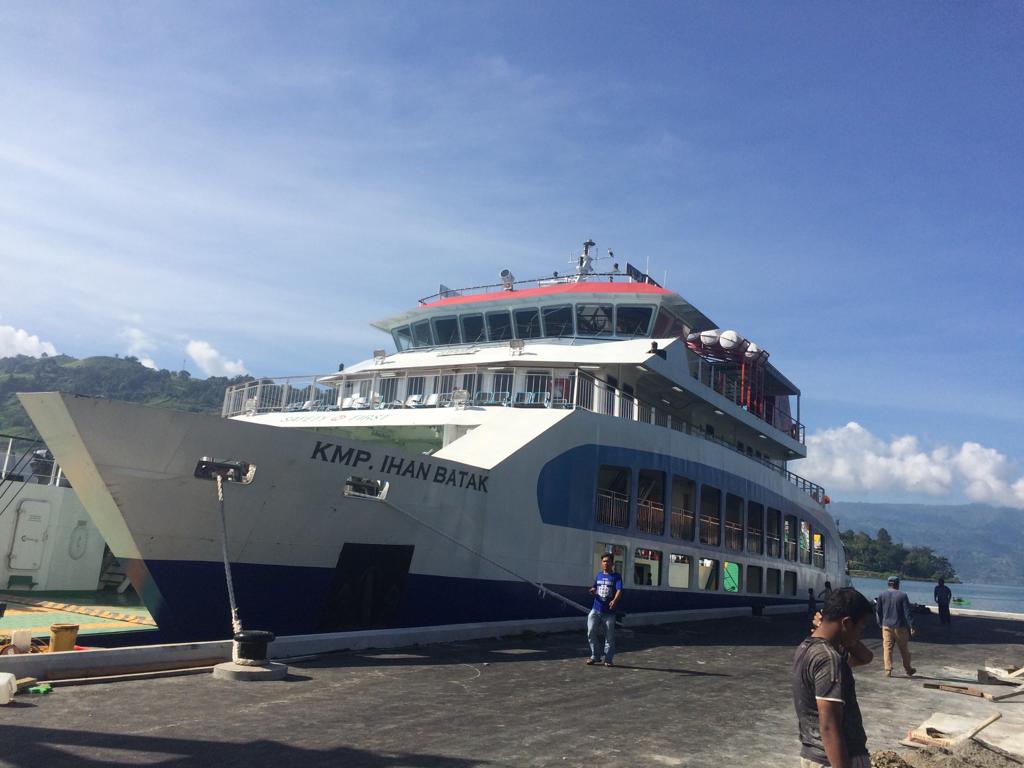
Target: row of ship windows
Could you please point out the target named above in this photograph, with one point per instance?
(599, 320)
(686, 571)
(748, 527)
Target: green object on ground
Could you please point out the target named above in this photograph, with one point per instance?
(41, 688)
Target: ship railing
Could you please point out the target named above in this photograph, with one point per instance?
(26, 460)
(534, 282)
(728, 384)
(710, 530)
(598, 396)
(650, 517)
(612, 508)
(733, 535)
(754, 540)
(774, 545)
(681, 523)
(554, 388)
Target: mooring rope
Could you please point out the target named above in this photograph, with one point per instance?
(541, 589)
(236, 621)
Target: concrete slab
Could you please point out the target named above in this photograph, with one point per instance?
(698, 694)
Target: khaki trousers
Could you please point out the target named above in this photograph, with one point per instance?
(900, 637)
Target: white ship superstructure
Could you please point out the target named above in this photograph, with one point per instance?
(518, 432)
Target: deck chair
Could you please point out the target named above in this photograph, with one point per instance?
(346, 403)
(445, 400)
(431, 401)
(502, 398)
(359, 402)
(483, 398)
(522, 398)
(413, 401)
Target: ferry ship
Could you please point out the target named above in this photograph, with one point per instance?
(476, 474)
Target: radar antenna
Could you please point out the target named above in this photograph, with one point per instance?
(585, 261)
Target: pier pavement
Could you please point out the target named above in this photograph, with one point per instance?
(713, 693)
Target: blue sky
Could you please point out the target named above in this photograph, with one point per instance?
(246, 185)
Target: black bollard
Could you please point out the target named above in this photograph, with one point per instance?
(251, 646)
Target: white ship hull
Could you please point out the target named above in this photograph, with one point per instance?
(463, 535)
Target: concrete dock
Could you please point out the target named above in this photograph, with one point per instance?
(710, 693)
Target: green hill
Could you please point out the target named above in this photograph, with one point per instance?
(117, 378)
(984, 544)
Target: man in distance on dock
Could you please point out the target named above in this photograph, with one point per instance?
(892, 611)
(824, 692)
(943, 595)
(607, 590)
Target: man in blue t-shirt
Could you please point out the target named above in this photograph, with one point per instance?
(607, 590)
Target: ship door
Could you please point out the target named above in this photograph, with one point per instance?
(367, 589)
(30, 534)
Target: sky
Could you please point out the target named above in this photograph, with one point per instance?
(242, 187)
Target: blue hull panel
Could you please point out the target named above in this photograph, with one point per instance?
(290, 600)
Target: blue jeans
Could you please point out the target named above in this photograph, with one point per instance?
(594, 621)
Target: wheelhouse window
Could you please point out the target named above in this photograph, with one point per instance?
(650, 502)
(805, 542)
(527, 323)
(632, 321)
(789, 537)
(710, 515)
(403, 338)
(679, 567)
(613, 486)
(773, 535)
(755, 528)
(732, 576)
(667, 325)
(594, 320)
(421, 334)
(446, 330)
(647, 567)
(618, 553)
(473, 328)
(819, 549)
(499, 326)
(684, 494)
(414, 385)
(557, 321)
(707, 574)
(733, 522)
(754, 576)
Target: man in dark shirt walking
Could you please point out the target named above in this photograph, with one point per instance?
(943, 595)
(607, 590)
(824, 693)
(892, 610)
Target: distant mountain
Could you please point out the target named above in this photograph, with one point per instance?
(984, 544)
(117, 378)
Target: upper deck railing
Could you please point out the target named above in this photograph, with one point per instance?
(537, 388)
(535, 282)
(25, 460)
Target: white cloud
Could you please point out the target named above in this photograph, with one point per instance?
(850, 458)
(140, 344)
(16, 341)
(211, 362)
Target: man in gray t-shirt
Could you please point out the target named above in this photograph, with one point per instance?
(824, 692)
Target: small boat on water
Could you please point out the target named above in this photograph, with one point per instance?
(476, 474)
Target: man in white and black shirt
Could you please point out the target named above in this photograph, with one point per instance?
(824, 694)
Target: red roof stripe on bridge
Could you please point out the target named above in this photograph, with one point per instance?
(551, 290)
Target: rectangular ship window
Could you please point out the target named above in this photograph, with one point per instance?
(366, 488)
(805, 542)
(499, 326)
(773, 533)
(613, 487)
(527, 323)
(557, 321)
(755, 528)
(733, 522)
(650, 502)
(819, 549)
(647, 567)
(789, 537)
(683, 495)
(707, 574)
(789, 583)
(594, 320)
(754, 576)
(710, 515)
(773, 585)
(473, 328)
(732, 576)
(679, 567)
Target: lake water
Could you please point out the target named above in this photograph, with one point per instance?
(983, 597)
